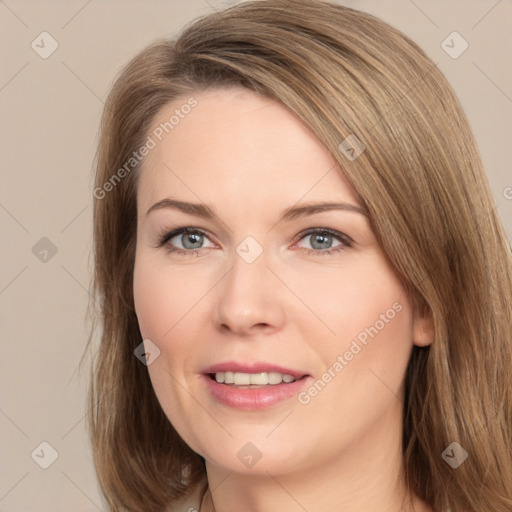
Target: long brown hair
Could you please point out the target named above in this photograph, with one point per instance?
(342, 73)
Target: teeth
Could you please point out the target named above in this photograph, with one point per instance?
(254, 379)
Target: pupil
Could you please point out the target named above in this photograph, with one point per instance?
(324, 241)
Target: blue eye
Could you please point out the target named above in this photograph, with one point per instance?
(321, 241)
(191, 240)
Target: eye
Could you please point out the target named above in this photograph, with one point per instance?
(324, 241)
(187, 241)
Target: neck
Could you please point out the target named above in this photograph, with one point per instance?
(364, 476)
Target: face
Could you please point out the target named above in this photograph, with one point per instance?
(264, 288)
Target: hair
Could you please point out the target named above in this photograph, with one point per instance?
(420, 176)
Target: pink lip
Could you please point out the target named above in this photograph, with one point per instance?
(253, 398)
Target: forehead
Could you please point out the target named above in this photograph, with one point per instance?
(236, 142)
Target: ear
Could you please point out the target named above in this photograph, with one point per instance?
(423, 329)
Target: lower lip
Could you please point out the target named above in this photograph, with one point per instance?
(253, 398)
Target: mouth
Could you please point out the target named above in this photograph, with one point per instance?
(253, 386)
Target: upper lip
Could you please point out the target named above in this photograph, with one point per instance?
(254, 367)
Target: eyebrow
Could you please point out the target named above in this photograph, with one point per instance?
(294, 212)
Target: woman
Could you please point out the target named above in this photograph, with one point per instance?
(305, 292)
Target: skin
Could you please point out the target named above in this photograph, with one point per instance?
(249, 158)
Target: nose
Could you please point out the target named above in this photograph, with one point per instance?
(249, 299)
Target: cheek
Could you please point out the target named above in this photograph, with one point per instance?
(161, 305)
(152, 303)
(170, 304)
(361, 370)
(370, 318)
(361, 300)
(162, 297)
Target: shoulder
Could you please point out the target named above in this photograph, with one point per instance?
(189, 503)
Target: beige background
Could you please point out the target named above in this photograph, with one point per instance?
(50, 110)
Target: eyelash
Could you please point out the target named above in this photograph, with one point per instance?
(346, 241)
